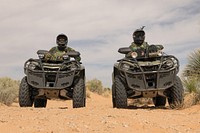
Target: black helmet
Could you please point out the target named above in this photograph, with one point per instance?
(139, 36)
(62, 41)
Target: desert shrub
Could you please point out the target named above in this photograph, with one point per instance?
(192, 95)
(192, 68)
(87, 93)
(191, 77)
(190, 99)
(106, 92)
(8, 90)
(96, 86)
(191, 85)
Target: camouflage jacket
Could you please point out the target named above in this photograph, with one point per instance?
(134, 47)
(144, 46)
(56, 55)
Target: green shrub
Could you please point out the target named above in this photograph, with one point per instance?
(192, 88)
(191, 76)
(8, 90)
(191, 84)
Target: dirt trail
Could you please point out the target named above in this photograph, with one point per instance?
(97, 117)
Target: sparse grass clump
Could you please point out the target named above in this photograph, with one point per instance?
(191, 84)
(8, 90)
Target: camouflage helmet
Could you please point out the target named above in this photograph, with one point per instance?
(139, 36)
(62, 41)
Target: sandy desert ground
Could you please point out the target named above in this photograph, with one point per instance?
(98, 117)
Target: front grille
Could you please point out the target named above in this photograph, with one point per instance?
(51, 69)
(150, 68)
(144, 68)
(50, 77)
(39, 75)
(150, 76)
(135, 69)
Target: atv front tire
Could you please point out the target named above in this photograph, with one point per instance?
(79, 94)
(25, 99)
(113, 96)
(120, 93)
(176, 92)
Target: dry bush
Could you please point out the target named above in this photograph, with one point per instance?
(191, 99)
(191, 78)
(96, 86)
(106, 92)
(87, 93)
(8, 90)
(192, 95)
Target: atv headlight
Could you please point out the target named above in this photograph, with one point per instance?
(168, 64)
(160, 53)
(175, 62)
(31, 66)
(134, 54)
(125, 66)
(74, 66)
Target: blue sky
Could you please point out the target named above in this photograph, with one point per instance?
(95, 28)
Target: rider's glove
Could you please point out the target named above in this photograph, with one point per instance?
(153, 49)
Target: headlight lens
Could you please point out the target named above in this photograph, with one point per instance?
(73, 67)
(31, 66)
(134, 54)
(160, 53)
(124, 66)
(168, 64)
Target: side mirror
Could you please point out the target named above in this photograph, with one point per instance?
(41, 53)
(73, 54)
(124, 50)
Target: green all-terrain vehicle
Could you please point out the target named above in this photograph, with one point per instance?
(147, 75)
(52, 80)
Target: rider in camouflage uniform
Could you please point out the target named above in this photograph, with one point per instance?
(56, 53)
(139, 43)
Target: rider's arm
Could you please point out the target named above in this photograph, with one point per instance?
(160, 47)
(48, 55)
(71, 49)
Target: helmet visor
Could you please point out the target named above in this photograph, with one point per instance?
(139, 37)
(61, 41)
